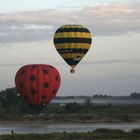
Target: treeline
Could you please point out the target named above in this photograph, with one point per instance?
(135, 95)
(132, 95)
(11, 103)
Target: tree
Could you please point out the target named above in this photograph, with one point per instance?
(135, 94)
(72, 107)
(12, 103)
(87, 104)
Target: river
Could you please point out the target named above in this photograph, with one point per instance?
(64, 127)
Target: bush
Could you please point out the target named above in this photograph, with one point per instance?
(72, 108)
(136, 131)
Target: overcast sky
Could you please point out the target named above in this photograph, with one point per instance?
(112, 65)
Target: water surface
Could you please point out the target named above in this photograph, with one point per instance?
(70, 127)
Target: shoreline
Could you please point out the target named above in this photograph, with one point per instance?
(66, 122)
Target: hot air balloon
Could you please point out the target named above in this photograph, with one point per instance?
(72, 42)
(37, 84)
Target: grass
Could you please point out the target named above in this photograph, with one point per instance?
(56, 113)
(99, 134)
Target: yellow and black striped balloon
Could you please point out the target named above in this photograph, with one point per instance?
(72, 43)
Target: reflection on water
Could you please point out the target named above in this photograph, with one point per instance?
(71, 127)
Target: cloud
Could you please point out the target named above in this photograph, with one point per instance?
(102, 20)
(99, 62)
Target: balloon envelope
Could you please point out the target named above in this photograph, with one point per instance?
(72, 42)
(37, 84)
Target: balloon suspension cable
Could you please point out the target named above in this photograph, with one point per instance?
(72, 70)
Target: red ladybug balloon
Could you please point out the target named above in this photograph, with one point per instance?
(38, 84)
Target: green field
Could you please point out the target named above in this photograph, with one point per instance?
(100, 134)
(14, 108)
(78, 113)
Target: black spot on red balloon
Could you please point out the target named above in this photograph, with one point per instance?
(22, 71)
(33, 66)
(32, 77)
(44, 97)
(46, 85)
(54, 91)
(33, 91)
(45, 71)
(57, 78)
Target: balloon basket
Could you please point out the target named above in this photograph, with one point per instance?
(72, 70)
